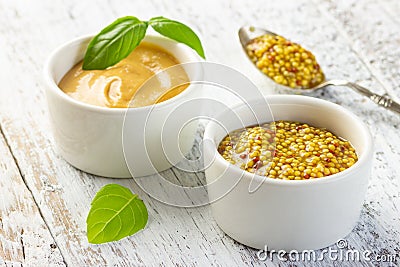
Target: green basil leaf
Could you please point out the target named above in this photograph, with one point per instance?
(115, 213)
(114, 43)
(178, 32)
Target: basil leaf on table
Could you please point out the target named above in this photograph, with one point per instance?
(114, 43)
(178, 32)
(115, 213)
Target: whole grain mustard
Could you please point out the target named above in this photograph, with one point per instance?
(287, 150)
(285, 62)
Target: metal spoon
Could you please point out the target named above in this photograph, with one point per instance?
(248, 33)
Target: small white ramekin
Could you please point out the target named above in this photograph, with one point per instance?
(281, 214)
(91, 137)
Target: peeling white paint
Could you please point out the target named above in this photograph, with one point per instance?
(355, 40)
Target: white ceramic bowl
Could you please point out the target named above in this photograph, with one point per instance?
(91, 137)
(281, 214)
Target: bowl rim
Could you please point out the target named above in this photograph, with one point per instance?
(150, 38)
(362, 160)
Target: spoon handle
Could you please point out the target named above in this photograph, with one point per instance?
(382, 100)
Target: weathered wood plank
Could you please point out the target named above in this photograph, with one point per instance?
(190, 237)
(24, 237)
(374, 36)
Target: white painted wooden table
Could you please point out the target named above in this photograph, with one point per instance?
(44, 201)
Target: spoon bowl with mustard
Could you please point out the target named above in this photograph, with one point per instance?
(293, 68)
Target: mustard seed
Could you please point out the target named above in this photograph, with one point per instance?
(285, 62)
(289, 151)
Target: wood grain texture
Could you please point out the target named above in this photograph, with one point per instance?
(354, 40)
(24, 236)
